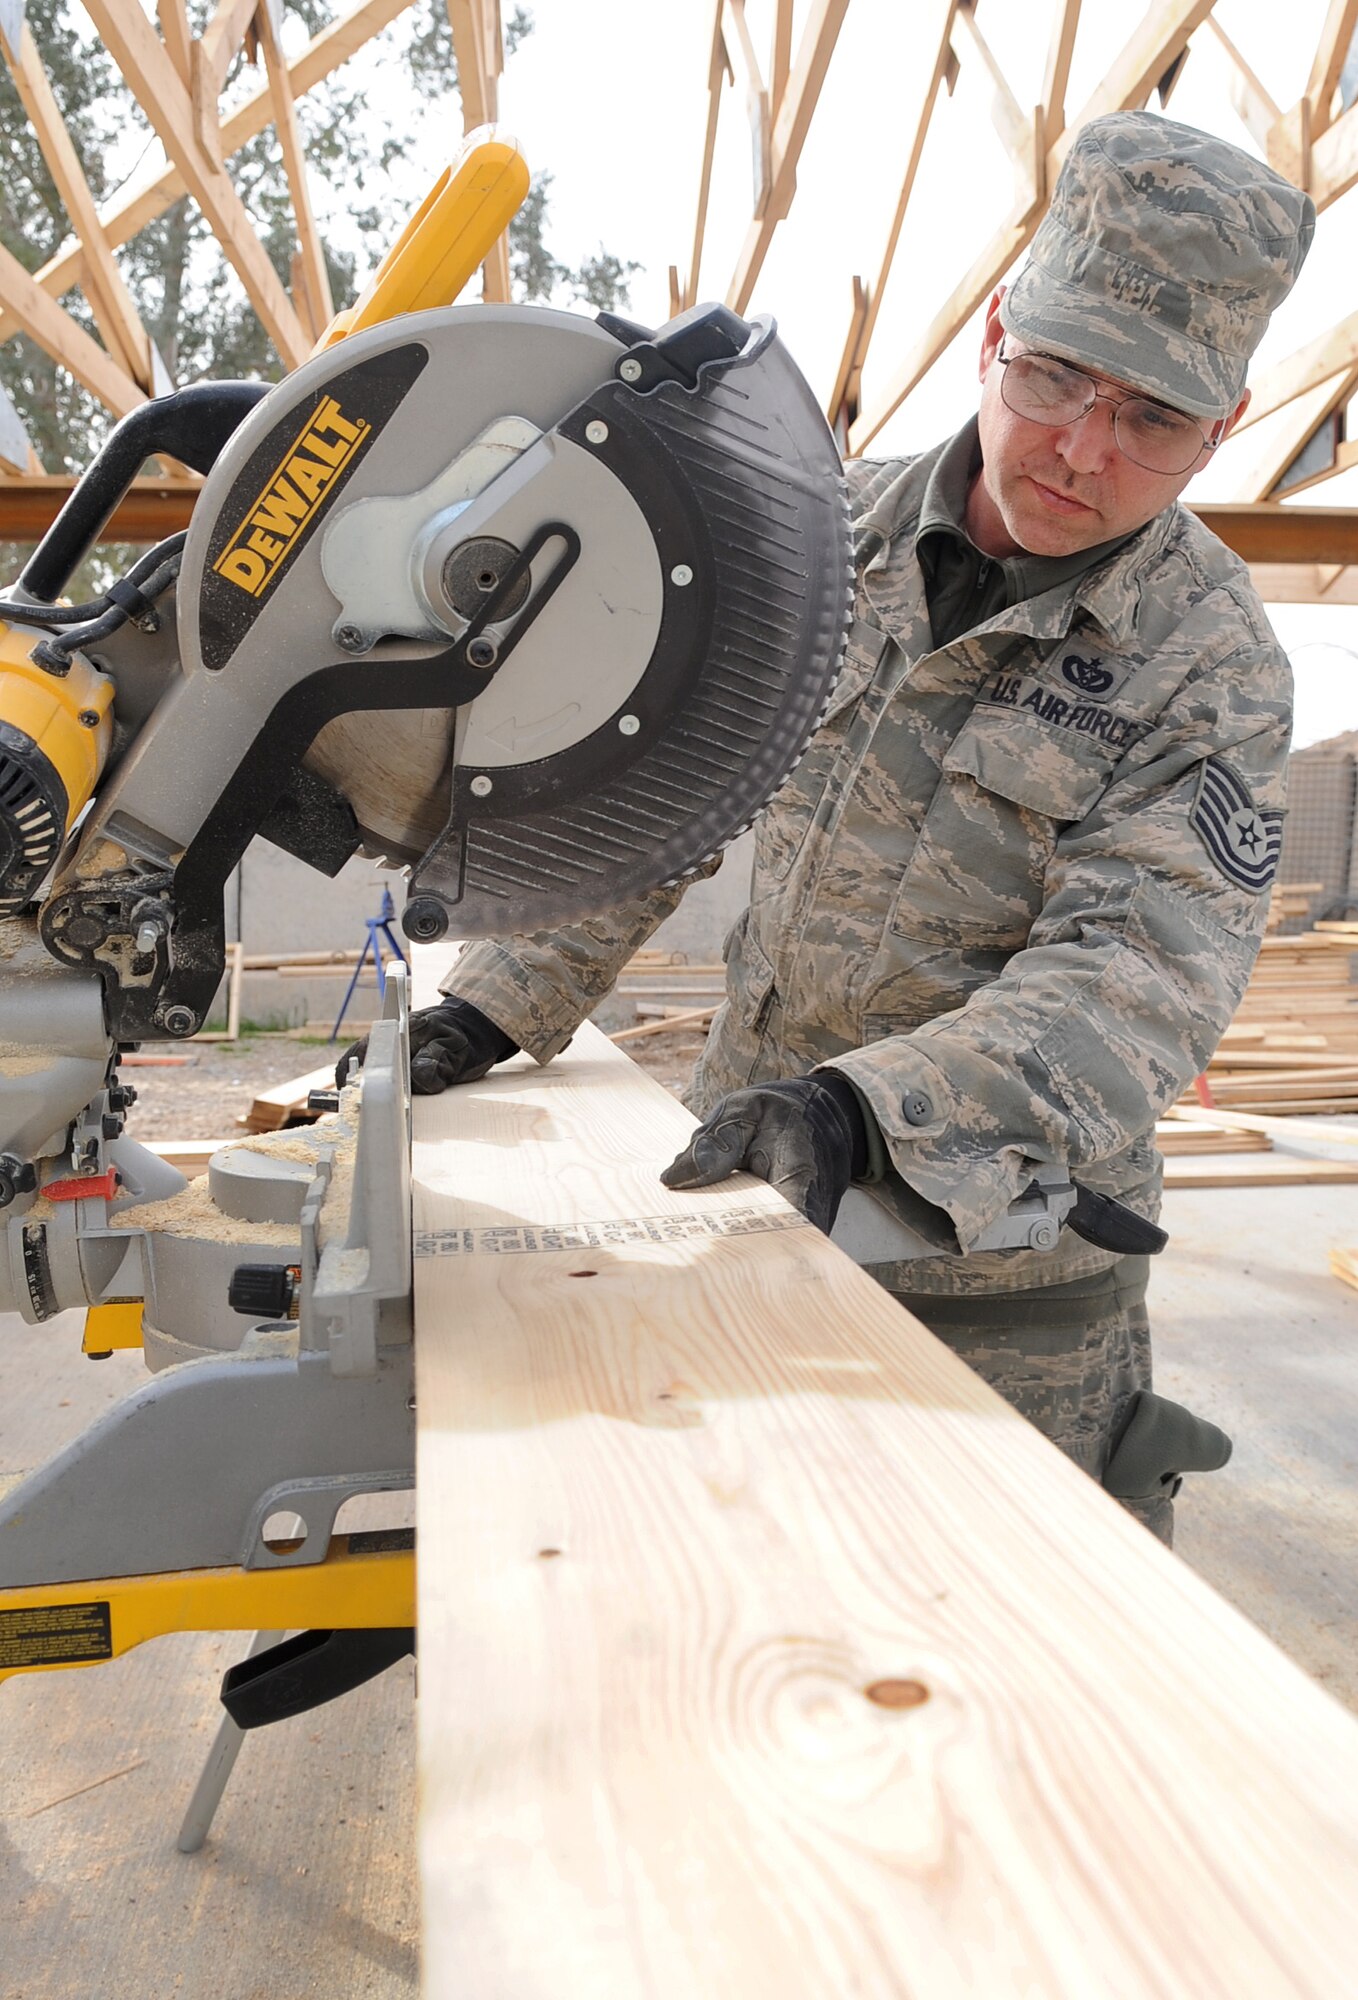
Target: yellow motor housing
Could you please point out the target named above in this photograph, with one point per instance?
(55, 734)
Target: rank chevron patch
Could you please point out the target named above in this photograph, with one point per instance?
(1244, 841)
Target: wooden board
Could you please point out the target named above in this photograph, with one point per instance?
(285, 1104)
(189, 1155)
(1273, 1170)
(1344, 1264)
(765, 1652)
(1288, 1129)
(1173, 1139)
(1298, 1108)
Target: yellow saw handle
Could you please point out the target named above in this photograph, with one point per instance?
(450, 233)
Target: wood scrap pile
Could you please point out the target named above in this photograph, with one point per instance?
(669, 994)
(1202, 1155)
(1243, 1170)
(190, 1156)
(1292, 1049)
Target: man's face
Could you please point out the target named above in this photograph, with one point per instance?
(1053, 490)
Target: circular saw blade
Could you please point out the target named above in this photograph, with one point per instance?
(679, 669)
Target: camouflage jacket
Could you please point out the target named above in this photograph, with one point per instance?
(1013, 890)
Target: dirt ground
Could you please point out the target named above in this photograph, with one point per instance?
(204, 1098)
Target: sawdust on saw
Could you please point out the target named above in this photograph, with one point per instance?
(192, 1212)
(282, 1145)
(106, 858)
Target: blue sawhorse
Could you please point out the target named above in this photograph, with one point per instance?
(379, 927)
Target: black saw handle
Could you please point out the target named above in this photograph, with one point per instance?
(191, 425)
(310, 1668)
(1111, 1225)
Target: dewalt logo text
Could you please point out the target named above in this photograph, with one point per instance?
(296, 491)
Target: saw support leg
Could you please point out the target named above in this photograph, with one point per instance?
(216, 1772)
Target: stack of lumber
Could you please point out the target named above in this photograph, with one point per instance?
(1205, 1154)
(1291, 900)
(1225, 1169)
(1292, 1049)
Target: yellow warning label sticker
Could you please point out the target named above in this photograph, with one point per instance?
(54, 1635)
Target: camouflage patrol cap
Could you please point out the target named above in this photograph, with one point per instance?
(1160, 260)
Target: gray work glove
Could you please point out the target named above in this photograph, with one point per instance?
(450, 1043)
(806, 1136)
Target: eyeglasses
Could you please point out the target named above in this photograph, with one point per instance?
(1047, 391)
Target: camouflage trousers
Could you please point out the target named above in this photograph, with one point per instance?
(1068, 1357)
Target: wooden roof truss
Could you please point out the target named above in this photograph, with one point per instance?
(177, 78)
(1314, 142)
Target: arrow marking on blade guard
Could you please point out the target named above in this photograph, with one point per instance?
(516, 735)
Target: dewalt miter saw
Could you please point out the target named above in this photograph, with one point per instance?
(541, 607)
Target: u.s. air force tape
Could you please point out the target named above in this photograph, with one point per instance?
(1244, 841)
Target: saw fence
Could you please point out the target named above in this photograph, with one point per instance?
(765, 1651)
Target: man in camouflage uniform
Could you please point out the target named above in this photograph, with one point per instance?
(1011, 896)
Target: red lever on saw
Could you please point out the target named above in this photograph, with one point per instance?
(90, 1187)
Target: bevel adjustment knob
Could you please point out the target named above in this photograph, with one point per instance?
(265, 1291)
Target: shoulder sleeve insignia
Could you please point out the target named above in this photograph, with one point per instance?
(1244, 841)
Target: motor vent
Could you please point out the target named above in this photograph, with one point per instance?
(33, 807)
